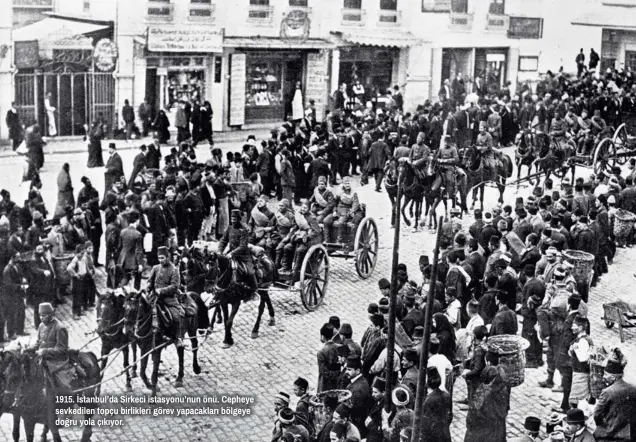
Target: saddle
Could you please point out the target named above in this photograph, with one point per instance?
(74, 373)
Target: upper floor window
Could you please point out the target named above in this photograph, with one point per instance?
(436, 5)
(497, 7)
(302, 3)
(353, 4)
(459, 6)
(201, 10)
(87, 6)
(525, 27)
(160, 9)
(388, 5)
(259, 2)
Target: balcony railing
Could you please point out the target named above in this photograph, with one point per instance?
(33, 4)
(353, 17)
(497, 23)
(160, 11)
(461, 21)
(202, 12)
(262, 15)
(389, 18)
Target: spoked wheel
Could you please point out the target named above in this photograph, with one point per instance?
(604, 156)
(314, 277)
(366, 247)
(621, 143)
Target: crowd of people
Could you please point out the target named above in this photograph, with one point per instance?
(274, 195)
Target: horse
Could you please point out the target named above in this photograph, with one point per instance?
(478, 176)
(111, 328)
(436, 191)
(526, 153)
(31, 394)
(152, 341)
(229, 289)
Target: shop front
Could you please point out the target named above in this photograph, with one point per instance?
(266, 74)
(64, 78)
(184, 65)
(490, 64)
(371, 65)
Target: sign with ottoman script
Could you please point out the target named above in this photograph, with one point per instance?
(186, 39)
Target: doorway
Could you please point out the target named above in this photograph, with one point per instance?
(293, 75)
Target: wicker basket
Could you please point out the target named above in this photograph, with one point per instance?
(597, 370)
(60, 263)
(583, 263)
(624, 223)
(512, 357)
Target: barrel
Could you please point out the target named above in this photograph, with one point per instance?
(511, 350)
(583, 263)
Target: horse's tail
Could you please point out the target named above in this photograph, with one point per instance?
(508, 167)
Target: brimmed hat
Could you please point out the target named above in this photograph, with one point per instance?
(575, 416)
(555, 418)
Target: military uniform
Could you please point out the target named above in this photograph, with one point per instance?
(237, 238)
(322, 203)
(420, 155)
(53, 340)
(346, 217)
(164, 280)
(447, 154)
(485, 144)
(306, 234)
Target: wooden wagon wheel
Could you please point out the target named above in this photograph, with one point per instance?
(604, 156)
(366, 247)
(621, 143)
(314, 277)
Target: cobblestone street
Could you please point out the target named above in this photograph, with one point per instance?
(261, 367)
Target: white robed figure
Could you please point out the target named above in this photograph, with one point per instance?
(297, 104)
(50, 115)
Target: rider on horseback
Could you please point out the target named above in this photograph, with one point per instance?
(447, 157)
(237, 238)
(163, 287)
(485, 145)
(558, 130)
(420, 156)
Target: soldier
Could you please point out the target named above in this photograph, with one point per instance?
(420, 155)
(448, 157)
(236, 237)
(163, 286)
(305, 234)
(346, 215)
(282, 223)
(322, 201)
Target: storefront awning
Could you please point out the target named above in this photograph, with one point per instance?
(394, 39)
(275, 43)
(611, 17)
(52, 29)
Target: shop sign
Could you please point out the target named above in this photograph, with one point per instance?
(316, 85)
(237, 89)
(295, 25)
(187, 39)
(105, 55)
(26, 54)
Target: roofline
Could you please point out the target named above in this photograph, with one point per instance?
(80, 19)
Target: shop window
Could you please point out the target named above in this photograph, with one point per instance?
(436, 5)
(497, 7)
(388, 5)
(528, 64)
(630, 60)
(184, 84)
(162, 9)
(459, 6)
(525, 27)
(264, 81)
(301, 3)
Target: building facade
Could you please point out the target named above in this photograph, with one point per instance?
(250, 58)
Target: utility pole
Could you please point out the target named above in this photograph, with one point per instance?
(428, 319)
(390, 345)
